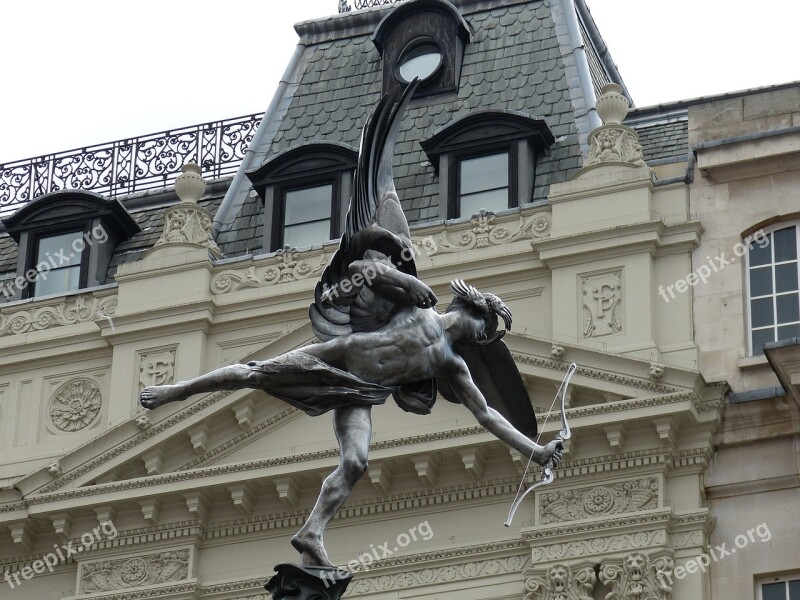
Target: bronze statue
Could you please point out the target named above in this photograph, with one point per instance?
(381, 336)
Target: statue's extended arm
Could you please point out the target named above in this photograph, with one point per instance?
(386, 281)
(470, 396)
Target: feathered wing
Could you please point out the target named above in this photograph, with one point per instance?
(374, 223)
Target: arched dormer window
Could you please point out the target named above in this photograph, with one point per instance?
(487, 160)
(306, 190)
(66, 240)
(425, 39)
(773, 293)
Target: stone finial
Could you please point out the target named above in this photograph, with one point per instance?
(612, 105)
(187, 223)
(613, 143)
(190, 185)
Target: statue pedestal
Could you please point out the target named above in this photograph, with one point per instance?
(299, 582)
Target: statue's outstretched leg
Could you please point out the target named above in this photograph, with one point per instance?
(233, 377)
(353, 428)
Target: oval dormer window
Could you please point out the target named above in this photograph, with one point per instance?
(421, 61)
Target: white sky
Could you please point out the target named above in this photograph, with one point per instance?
(86, 71)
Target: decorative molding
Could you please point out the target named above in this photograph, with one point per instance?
(558, 352)
(560, 582)
(596, 546)
(484, 232)
(433, 575)
(54, 469)
(136, 571)
(187, 224)
(602, 303)
(657, 371)
(75, 406)
(284, 267)
(614, 144)
(76, 309)
(599, 500)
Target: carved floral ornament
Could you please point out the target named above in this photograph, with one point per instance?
(484, 231)
(75, 405)
(284, 267)
(634, 577)
(78, 309)
(599, 500)
(137, 571)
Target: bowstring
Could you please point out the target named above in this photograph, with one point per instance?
(538, 438)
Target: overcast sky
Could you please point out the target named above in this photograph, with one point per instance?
(82, 72)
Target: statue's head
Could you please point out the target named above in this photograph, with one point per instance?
(483, 309)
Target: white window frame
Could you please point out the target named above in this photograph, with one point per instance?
(750, 239)
(760, 583)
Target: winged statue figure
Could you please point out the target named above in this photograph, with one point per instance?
(381, 336)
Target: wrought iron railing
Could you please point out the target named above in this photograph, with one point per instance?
(134, 164)
(344, 6)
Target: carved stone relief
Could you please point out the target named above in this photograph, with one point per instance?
(484, 232)
(75, 405)
(78, 309)
(560, 582)
(599, 500)
(136, 571)
(156, 367)
(638, 578)
(602, 303)
(286, 266)
(614, 144)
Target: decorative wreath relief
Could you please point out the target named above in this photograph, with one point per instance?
(75, 405)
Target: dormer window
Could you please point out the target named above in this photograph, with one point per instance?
(305, 190)
(424, 39)
(487, 160)
(66, 240)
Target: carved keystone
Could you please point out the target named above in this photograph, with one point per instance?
(244, 413)
(666, 432)
(287, 490)
(473, 459)
(615, 435)
(21, 534)
(427, 468)
(199, 438)
(380, 477)
(105, 514)
(61, 525)
(197, 505)
(153, 462)
(150, 509)
(242, 497)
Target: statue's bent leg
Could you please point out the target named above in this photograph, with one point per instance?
(353, 428)
(233, 377)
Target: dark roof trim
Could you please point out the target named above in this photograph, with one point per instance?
(65, 207)
(747, 137)
(760, 394)
(486, 127)
(401, 11)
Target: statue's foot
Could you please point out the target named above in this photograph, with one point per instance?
(312, 552)
(155, 396)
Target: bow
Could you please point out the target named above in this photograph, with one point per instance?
(564, 434)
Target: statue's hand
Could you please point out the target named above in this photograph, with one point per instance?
(552, 453)
(421, 295)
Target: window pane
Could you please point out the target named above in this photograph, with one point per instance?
(785, 241)
(59, 281)
(761, 281)
(794, 590)
(759, 255)
(484, 173)
(60, 248)
(761, 337)
(307, 234)
(788, 308)
(786, 277)
(788, 332)
(494, 201)
(421, 62)
(309, 204)
(773, 591)
(761, 312)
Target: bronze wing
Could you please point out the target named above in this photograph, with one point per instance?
(496, 375)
